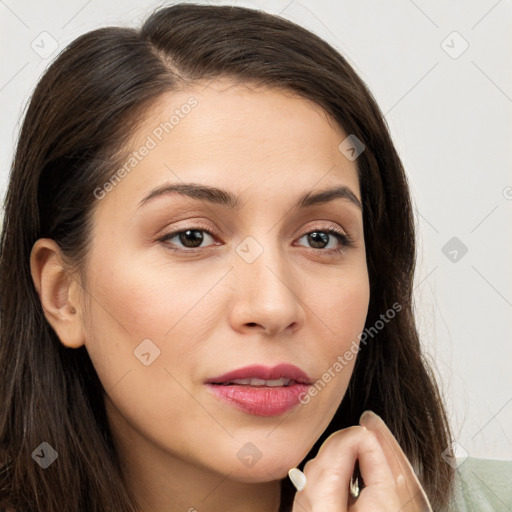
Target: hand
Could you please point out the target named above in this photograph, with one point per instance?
(390, 484)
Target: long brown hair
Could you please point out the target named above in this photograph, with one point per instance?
(89, 101)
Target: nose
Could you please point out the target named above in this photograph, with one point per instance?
(266, 297)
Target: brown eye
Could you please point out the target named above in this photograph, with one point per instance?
(320, 239)
(189, 238)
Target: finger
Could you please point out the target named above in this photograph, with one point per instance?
(373, 464)
(353, 444)
(411, 493)
(328, 474)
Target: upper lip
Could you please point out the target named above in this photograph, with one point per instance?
(257, 371)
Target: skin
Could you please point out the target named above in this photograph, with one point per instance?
(208, 310)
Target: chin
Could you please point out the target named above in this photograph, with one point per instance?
(267, 468)
(261, 475)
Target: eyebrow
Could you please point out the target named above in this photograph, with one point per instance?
(225, 198)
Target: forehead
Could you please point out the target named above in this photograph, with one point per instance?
(239, 136)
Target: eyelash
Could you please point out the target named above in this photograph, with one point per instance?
(344, 239)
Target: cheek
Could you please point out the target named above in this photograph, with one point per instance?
(138, 318)
(148, 300)
(345, 305)
(338, 310)
(132, 301)
(342, 304)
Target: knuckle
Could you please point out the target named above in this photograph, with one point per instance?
(346, 433)
(348, 436)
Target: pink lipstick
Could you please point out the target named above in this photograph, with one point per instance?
(262, 390)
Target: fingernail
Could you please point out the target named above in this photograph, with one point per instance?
(368, 417)
(298, 478)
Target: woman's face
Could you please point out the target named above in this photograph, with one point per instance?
(261, 283)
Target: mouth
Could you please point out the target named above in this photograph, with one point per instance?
(274, 383)
(269, 393)
(282, 375)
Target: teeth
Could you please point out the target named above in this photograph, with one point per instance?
(278, 382)
(261, 382)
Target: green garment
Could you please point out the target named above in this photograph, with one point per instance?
(482, 485)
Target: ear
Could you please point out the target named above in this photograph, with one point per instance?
(58, 292)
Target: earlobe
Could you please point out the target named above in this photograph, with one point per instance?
(57, 292)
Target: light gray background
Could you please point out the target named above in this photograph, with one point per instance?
(450, 117)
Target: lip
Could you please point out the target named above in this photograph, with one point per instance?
(257, 371)
(262, 400)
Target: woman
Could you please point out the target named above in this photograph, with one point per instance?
(163, 181)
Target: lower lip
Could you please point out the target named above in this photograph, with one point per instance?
(261, 400)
